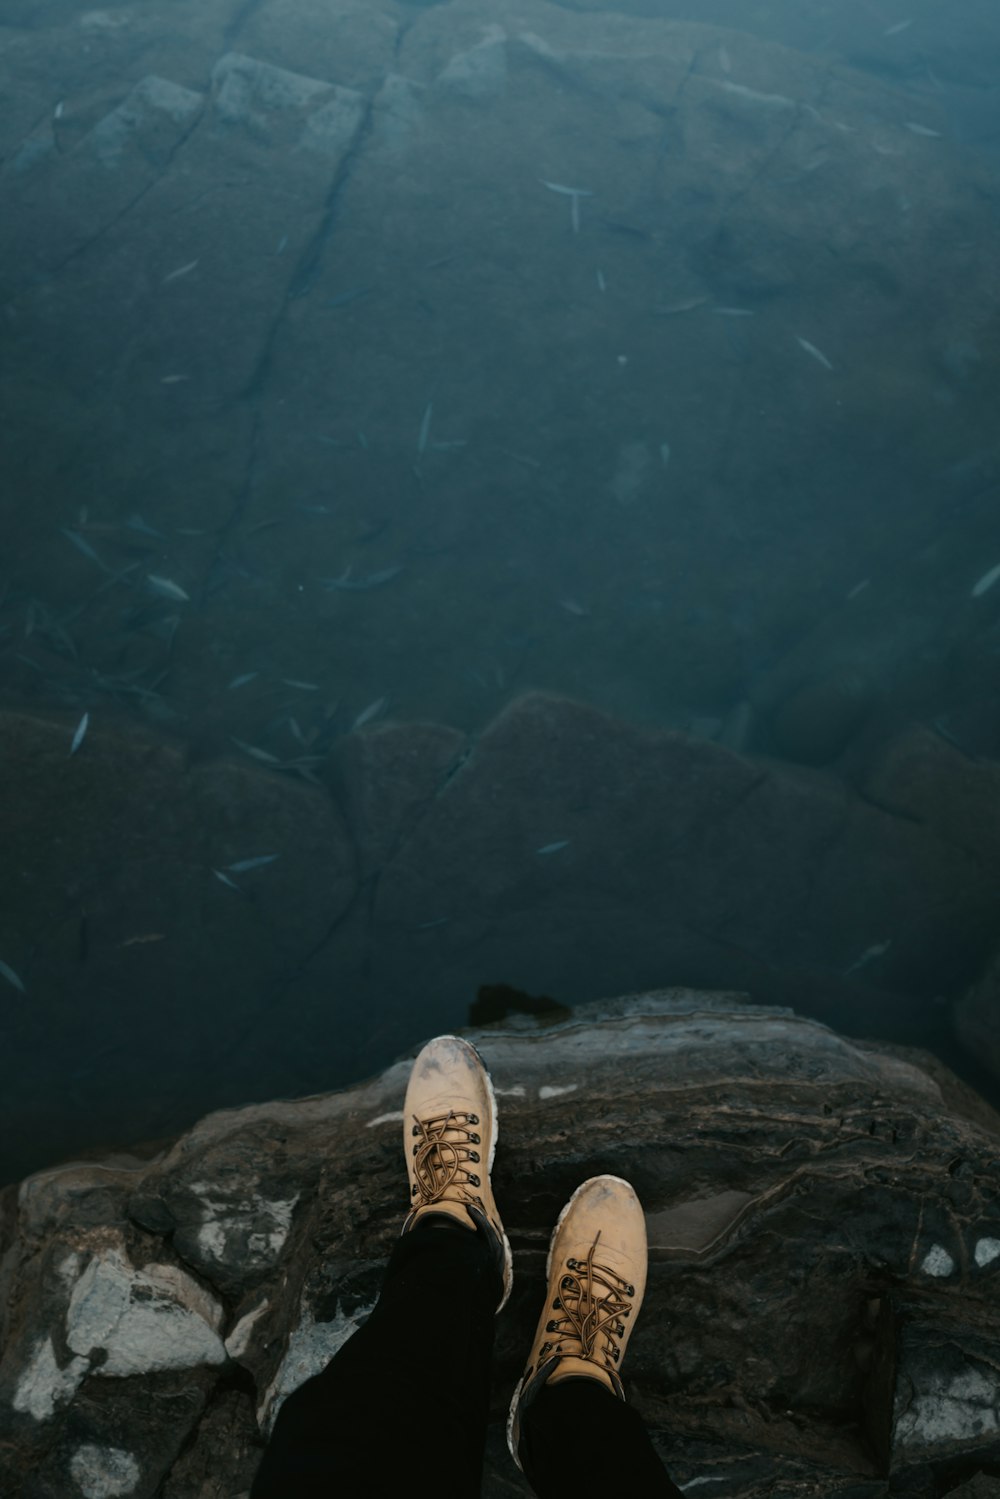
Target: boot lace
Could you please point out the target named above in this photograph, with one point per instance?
(442, 1156)
(593, 1300)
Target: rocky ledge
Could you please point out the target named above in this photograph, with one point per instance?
(824, 1261)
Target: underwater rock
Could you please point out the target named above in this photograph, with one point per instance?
(977, 1019)
(814, 725)
(227, 931)
(145, 949)
(824, 1246)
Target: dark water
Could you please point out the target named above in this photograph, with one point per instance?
(382, 365)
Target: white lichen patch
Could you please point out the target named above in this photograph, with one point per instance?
(394, 1118)
(43, 1385)
(142, 1320)
(310, 1348)
(518, 1091)
(238, 1340)
(270, 1222)
(104, 1472)
(937, 1261)
(987, 1251)
(550, 1090)
(964, 1408)
(68, 1269)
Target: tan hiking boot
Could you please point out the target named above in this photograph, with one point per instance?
(450, 1139)
(597, 1278)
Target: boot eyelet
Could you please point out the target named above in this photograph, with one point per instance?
(474, 1180)
(551, 1327)
(473, 1118)
(413, 1191)
(630, 1290)
(474, 1156)
(415, 1130)
(415, 1149)
(566, 1282)
(475, 1139)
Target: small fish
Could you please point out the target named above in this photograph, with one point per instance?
(899, 26)
(136, 523)
(869, 955)
(733, 311)
(282, 245)
(174, 379)
(357, 585)
(664, 453)
(305, 686)
(923, 130)
(817, 354)
(12, 977)
(688, 304)
(83, 546)
(571, 192)
(572, 607)
(425, 427)
(141, 941)
(986, 581)
(242, 681)
(367, 714)
(362, 439)
(574, 194)
(552, 848)
(183, 271)
(226, 880)
(602, 285)
(263, 756)
(724, 62)
(858, 588)
(242, 865)
(168, 589)
(81, 730)
(57, 113)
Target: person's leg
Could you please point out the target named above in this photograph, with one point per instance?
(410, 1386)
(570, 1429)
(580, 1442)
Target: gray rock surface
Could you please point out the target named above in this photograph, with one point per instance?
(824, 1252)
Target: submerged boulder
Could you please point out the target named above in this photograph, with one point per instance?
(824, 1247)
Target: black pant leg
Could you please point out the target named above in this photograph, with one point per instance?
(409, 1388)
(579, 1441)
